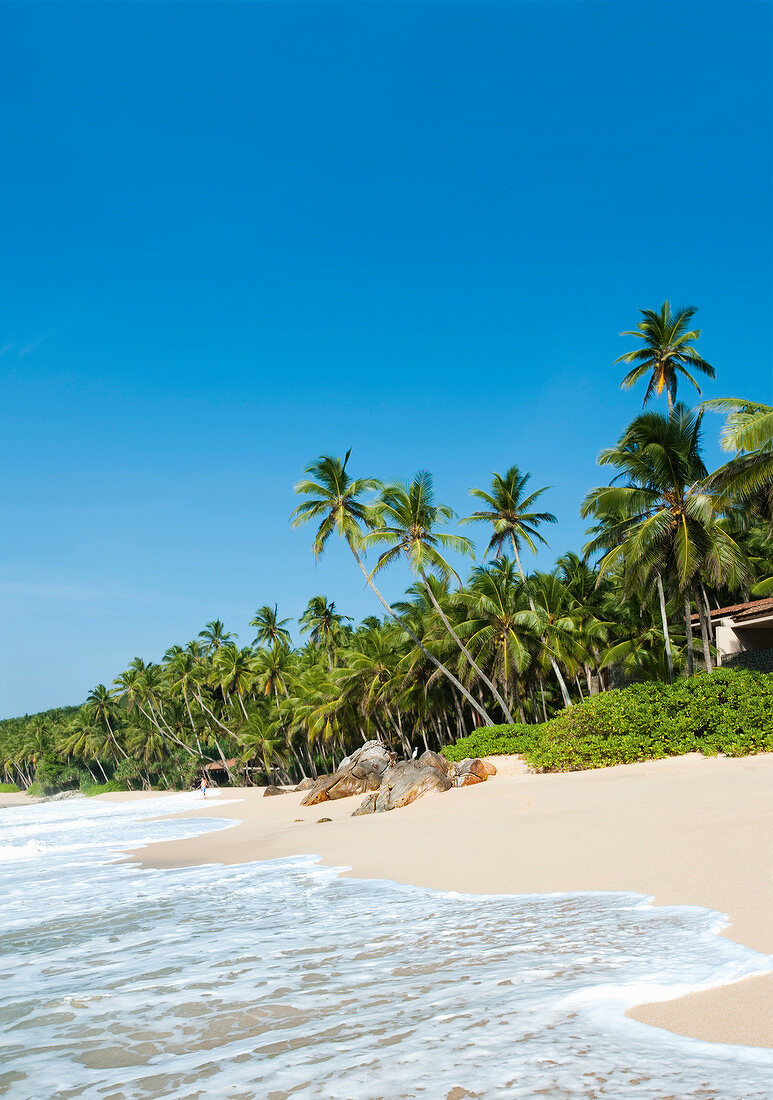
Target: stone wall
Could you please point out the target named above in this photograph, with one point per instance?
(759, 660)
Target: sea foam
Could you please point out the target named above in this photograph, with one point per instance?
(283, 978)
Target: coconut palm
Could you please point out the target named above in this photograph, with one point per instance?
(513, 523)
(234, 672)
(323, 624)
(666, 352)
(499, 627)
(509, 513)
(662, 522)
(335, 499)
(99, 707)
(215, 635)
(271, 630)
(748, 478)
(406, 519)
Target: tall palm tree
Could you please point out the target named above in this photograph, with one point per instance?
(406, 519)
(99, 707)
(509, 513)
(335, 499)
(271, 630)
(667, 350)
(234, 672)
(323, 624)
(215, 635)
(498, 626)
(662, 522)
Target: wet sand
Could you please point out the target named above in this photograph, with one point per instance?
(688, 831)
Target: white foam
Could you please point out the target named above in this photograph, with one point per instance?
(290, 977)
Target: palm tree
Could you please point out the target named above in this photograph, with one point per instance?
(406, 520)
(99, 705)
(498, 625)
(509, 514)
(271, 629)
(215, 635)
(662, 521)
(323, 624)
(334, 498)
(748, 478)
(234, 672)
(666, 353)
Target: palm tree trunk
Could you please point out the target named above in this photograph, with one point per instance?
(466, 652)
(561, 682)
(542, 692)
(125, 755)
(708, 612)
(688, 630)
(664, 619)
(169, 735)
(441, 668)
(705, 636)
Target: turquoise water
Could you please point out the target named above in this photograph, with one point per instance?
(282, 978)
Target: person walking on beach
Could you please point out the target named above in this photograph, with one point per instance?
(203, 786)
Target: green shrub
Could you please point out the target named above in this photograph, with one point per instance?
(728, 711)
(110, 787)
(8, 788)
(35, 790)
(493, 741)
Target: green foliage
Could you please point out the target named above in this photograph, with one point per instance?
(35, 790)
(494, 741)
(110, 787)
(54, 775)
(728, 711)
(9, 788)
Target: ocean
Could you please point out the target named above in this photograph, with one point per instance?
(284, 979)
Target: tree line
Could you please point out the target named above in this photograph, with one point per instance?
(669, 540)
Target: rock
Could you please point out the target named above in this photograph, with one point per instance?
(430, 759)
(403, 784)
(305, 784)
(321, 819)
(468, 780)
(357, 774)
(491, 770)
(370, 761)
(299, 819)
(269, 791)
(469, 771)
(367, 806)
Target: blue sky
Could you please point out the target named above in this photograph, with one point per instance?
(239, 236)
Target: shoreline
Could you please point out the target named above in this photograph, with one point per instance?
(684, 831)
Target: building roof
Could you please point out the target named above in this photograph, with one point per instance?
(219, 766)
(741, 611)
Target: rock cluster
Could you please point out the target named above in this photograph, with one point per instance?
(389, 784)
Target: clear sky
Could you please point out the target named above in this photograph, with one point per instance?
(238, 236)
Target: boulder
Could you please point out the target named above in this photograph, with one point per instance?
(357, 774)
(430, 759)
(490, 769)
(305, 784)
(403, 784)
(269, 791)
(467, 780)
(469, 771)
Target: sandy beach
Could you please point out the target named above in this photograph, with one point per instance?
(687, 830)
